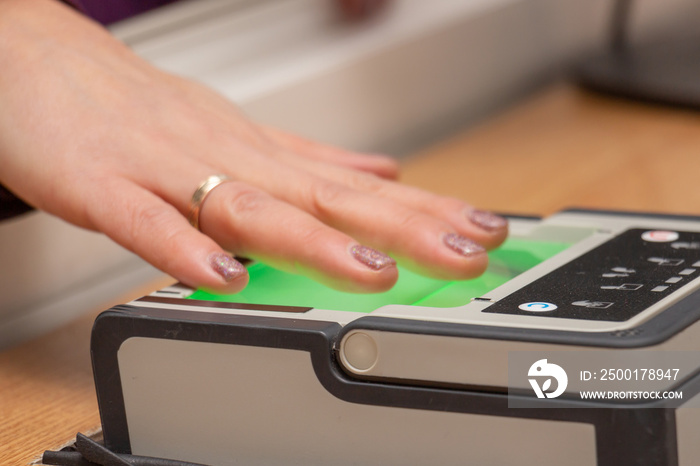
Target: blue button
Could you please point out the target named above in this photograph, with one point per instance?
(537, 306)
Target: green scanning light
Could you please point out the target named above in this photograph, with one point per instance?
(273, 287)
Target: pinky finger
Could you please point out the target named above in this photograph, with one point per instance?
(148, 226)
(380, 165)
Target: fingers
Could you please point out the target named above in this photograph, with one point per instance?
(421, 242)
(484, 227)
(156, 231)
(379, 165)
(299, 229)
(249, 222)
(487, 229)
(244, 221)
(416, 240)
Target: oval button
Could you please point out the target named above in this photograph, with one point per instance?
(660, 236)
(537, 306)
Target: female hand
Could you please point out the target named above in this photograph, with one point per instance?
(95, 135)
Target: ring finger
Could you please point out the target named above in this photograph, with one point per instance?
(419, 241)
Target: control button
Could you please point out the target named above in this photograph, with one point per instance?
(685, 245)
(686, 272)
(360, 352)
(660, 236)
(666, 261)
(622, 270)
(674, 280)
(537, 307)
(593, 304)
(697, 264)
(623, 287)
(660, 288)
(615, 275)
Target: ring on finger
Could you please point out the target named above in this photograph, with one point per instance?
(200, 194)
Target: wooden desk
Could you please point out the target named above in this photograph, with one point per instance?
(561, 148)
(46, 389)
(567, 148)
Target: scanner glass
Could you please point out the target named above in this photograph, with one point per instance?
(273, 287)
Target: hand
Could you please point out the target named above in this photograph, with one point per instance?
(95, 135)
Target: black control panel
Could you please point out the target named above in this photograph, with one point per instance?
(613, 282)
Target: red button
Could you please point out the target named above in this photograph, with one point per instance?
(660, 236)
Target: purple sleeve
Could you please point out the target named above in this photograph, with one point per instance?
(111, 11)
(11, 205)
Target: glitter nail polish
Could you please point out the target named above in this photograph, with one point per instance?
(487, 220)
(372, 258)
(226, 266)
(462, 245)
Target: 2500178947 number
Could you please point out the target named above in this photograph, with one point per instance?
(639, 374)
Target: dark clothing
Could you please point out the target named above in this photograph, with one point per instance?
(11, 205)
(111, 11)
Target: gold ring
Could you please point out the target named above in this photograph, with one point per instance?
(201, 194)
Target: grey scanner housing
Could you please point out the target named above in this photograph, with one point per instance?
(226, 384)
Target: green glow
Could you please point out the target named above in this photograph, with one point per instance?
(270, 286)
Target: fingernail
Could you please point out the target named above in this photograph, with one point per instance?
(462, 245)
(226, 266)
(487, 220)
(372, 258)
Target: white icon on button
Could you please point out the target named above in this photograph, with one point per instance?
(685, 245)
(660, 236)
(623, 287)
(537, 307)
(593, 304)
(622, 270)
(666, 261)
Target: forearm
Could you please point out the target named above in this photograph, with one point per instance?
(45, 49)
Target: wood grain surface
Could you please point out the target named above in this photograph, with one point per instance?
(565, 148)
(561, 148)
(46, 389)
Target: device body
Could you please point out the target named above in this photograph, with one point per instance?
(219, 382)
